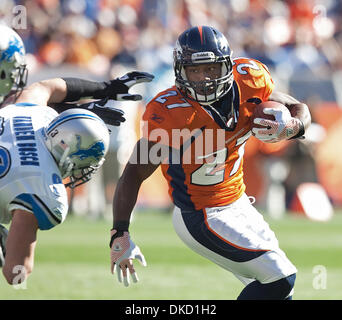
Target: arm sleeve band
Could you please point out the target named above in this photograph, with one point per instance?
(79, 88)
(121, 225)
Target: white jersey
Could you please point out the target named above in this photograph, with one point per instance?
(29, 176)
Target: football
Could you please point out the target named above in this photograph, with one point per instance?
(259, 111)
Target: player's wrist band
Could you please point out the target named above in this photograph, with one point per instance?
(301, 131)
(120, 227)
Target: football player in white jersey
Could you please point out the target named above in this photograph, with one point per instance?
(38, 149)
(55, 93)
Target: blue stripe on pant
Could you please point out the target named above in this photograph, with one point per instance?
(195, 224)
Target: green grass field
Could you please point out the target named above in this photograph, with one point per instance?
(72, 262)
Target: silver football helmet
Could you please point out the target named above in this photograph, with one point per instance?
(78, 140)
(13, 72)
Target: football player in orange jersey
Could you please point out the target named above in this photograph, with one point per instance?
(197, 130)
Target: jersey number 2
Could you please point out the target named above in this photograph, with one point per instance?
(181, 103)
(211, 173)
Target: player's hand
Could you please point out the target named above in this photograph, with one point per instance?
(103, 108)
(122, 251)
(106, 111)
(117, 89)
(283, 127)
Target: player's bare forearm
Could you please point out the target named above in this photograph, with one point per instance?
(298, 110)
(20, 246)
(128, 186)
(126, 195)
(122, 249)
(44, 92)
(301, 111)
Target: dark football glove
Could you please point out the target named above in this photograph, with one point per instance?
(117, 89)
(103, 108)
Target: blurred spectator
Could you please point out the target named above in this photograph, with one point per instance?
(286, 35)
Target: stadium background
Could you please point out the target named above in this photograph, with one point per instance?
(300, 42)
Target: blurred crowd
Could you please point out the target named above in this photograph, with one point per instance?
(294, 38)
(97, 34)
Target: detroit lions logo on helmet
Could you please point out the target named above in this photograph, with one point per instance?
(14, 46)
(97, 150)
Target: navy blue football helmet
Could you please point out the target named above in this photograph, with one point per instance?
(199, 45)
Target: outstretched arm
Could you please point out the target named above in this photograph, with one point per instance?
(123, 250)
(60, 90)
(44, 92)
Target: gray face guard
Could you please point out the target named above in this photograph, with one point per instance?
(208, 91)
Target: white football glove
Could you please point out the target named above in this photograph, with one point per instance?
(283, 127)
(122, 251)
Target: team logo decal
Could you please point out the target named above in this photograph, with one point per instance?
(96, 150)
(14, 46)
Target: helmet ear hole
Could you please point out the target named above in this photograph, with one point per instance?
(3, 75)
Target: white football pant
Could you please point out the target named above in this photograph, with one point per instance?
(237, 238)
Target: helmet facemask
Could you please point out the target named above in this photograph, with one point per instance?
(80, 176)
(20, 81)
(208, 91)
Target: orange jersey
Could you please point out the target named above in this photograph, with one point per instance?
(206, 166)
